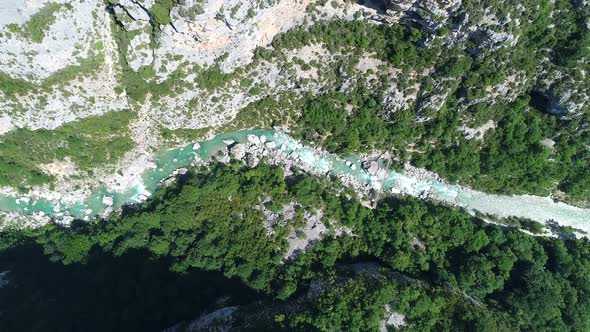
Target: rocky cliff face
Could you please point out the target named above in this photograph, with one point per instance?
(188, 65)
(57, 64)
(428, 14)
(104, 41)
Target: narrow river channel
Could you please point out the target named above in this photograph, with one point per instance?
(536, 208)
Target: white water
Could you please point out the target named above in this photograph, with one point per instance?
(540, 209)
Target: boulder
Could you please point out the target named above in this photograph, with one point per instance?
(238, 151)
(252, 160)
(107, 200)
(228, 141)
(168, 181)
(225, 159)
(108, 211)
(253, 139)
(270, 145)
(548, 143)
(196, 146)
(371, 167)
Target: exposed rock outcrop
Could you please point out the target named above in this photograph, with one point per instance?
(430, 15)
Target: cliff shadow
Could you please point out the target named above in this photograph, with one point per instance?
(132, 292)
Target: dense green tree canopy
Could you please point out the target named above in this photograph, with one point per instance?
(439, 267)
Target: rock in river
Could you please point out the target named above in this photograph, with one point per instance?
(238, 151)
(107, 200)
(371, 167)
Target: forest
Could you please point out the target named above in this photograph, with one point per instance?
(206, 242)
(510, 158)
(442, 268)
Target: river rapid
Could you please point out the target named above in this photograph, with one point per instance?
(102, 201)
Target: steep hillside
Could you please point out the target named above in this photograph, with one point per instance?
(300, 165)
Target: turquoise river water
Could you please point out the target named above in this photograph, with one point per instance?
(536, 208)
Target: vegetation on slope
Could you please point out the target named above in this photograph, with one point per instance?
(38, 23)
(160, 11)
(459, 272)
(440, 267)
(509, 159)
(87, 143)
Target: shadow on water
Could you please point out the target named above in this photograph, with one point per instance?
(133, 292)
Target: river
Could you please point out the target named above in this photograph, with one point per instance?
(536, 208)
